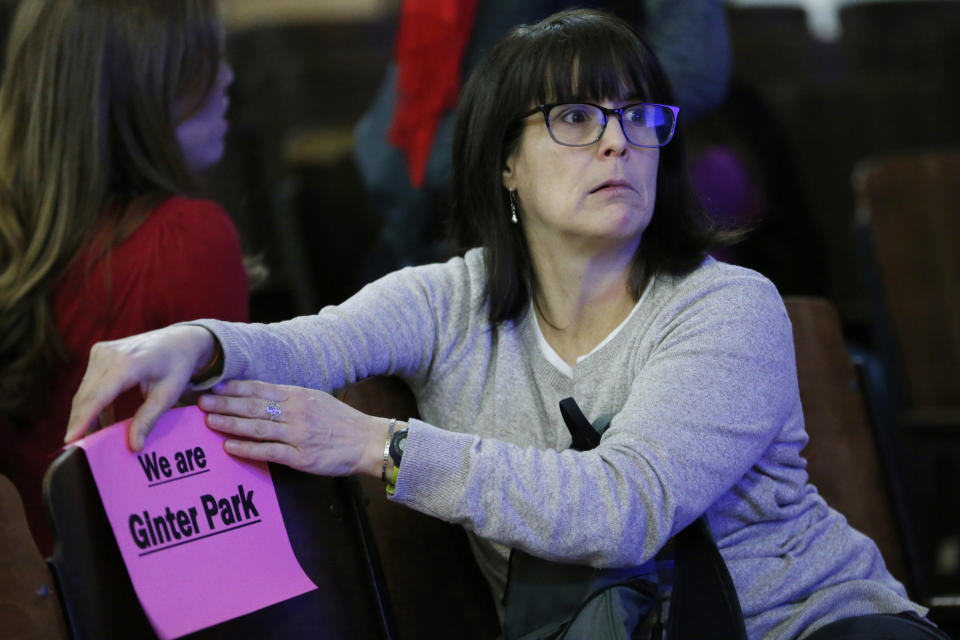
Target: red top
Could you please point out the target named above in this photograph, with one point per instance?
(182, 263)
(430, 46)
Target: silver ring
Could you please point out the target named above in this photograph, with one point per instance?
(274, 410)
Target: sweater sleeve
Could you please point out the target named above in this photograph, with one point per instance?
(390, 327)
(702, 409)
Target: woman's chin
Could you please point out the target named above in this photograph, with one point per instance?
(203, 159)
(621, 221)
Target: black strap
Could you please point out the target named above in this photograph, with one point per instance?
(585, 437)
(703, 602)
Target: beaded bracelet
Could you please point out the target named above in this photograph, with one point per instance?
(392, 480)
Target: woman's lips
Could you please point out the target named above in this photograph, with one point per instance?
(613, 185)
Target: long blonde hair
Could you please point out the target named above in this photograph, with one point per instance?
(87, 147)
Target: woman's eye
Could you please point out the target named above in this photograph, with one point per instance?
(576, 116)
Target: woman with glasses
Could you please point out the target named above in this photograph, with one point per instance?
(589, 278)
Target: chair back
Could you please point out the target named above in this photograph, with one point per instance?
(908, 207)
(29, 606)
(846, 460)
(326, 532)
(436, 589)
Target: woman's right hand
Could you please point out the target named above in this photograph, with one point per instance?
(160, 361)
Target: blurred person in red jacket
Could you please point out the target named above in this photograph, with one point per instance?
(108, 110)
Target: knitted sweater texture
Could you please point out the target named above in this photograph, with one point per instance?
(702, 380)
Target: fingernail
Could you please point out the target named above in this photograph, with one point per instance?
(205, 402)
(215, 419)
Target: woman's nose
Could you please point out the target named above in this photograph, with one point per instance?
(613, 141)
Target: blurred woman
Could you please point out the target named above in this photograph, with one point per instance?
(108, 109)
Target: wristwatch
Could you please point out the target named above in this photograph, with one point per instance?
(397, 442)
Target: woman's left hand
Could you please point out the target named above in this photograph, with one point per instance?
(301, 428)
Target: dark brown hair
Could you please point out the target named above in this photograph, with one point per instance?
(572, 55)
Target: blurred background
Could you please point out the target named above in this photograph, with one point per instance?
(836, 145)
(817, 86)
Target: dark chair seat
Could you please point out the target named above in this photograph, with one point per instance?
(852, 460)
(326, 529)
(435, 587)
(29, 605)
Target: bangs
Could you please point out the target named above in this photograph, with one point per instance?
(592, 66)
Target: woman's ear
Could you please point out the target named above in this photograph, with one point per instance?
(508, 176)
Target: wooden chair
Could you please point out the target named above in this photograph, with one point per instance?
(908, 205)
(844, 460)
(435, 587)
(853, 463)
(327, 531)
(29, 605)
(858, 118)
(908, 224)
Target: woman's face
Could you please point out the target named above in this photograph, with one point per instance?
(601, 195)
(201, 133)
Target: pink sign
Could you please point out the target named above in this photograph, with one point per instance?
(200, 532)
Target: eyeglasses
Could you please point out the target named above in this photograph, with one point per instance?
(582, 124)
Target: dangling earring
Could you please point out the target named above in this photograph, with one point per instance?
(513, 209)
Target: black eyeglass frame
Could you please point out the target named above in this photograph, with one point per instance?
(545, 110)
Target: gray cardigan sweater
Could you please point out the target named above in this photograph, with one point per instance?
(702, 380)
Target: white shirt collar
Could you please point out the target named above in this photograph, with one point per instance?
(559, 363)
